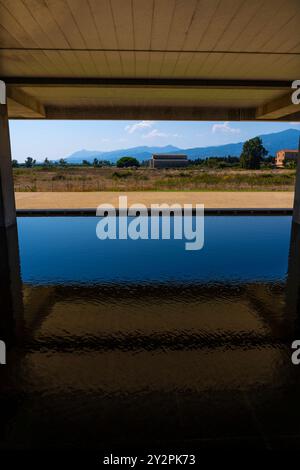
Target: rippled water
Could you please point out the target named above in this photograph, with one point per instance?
(236, 249)
(143, 342)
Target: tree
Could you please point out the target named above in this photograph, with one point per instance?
(252, 154)
(104, 163)
(15, 163)
(101, 163)
(62, 162)
(270, 159)
(47, 163)
(126, 162)
(268, 162)
(85, 163)
(29, 162)
(291, 164)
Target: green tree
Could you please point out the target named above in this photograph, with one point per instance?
(15, 163)
(62, 162)
(96, 162)
(291, 164)
(270, 159)
(47, 163)
(126, 162)
(29, 162)
(253, 153)
(85, 163)
(104, 163)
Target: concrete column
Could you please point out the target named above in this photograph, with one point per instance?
(11, 315)
(292, 292)
(296, 211)
(7, 197)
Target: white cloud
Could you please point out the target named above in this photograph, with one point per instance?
(139, 125)
(156, 133)
(294, 123)
(225, 128)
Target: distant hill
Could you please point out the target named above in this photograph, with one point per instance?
(288, 139)
(80, 155)
(141, 153)
(272, 142)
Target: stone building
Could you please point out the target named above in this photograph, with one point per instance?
(282, 156)
(160, 160)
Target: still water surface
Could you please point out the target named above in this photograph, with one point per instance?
(143, 342)
(236, 249)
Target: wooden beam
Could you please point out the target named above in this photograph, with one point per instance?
(278, 108)
(295, 117)
(22, 105)
(147, 82)
(175, 113)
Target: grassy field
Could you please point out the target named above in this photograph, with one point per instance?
(80, 179)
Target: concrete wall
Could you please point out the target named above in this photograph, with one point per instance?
(168, 163)
(7, 197)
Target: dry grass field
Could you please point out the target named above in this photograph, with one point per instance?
(85, 179)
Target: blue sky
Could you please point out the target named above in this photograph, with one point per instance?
(58, 139)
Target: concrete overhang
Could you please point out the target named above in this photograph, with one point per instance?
(150, 59)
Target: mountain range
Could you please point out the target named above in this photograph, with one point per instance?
(288, 139)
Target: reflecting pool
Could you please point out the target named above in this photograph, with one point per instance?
(122, 342)
(66, 251)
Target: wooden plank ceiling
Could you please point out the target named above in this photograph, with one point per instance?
(163, 59)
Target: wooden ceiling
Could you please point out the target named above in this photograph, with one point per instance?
(163, 59)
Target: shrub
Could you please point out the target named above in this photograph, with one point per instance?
(126, 162)
(123, 174)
